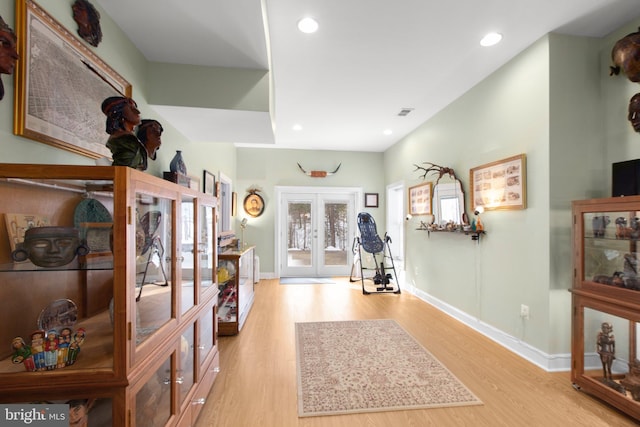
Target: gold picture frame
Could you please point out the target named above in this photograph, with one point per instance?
(420, 199)
(59, 90)
(500, 185)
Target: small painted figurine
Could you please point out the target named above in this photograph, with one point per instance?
(606, 347)
(122, 118)
(51, 350)
(22, 354)
(149, 133)
(74, 347)
(8, 52)
(64, 341)
(37, 349)
(88, 20)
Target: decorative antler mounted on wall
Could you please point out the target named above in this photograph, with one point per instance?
(319, 174)
(436, 169)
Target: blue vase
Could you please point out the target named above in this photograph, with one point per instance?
(177, 164)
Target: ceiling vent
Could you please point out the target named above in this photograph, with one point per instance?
(405, 111)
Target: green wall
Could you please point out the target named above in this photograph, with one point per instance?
(266, 168)
(505, 115)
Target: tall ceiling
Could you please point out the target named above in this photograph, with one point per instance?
(346, 84)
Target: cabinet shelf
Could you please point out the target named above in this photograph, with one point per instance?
(75, 265)
(140, 342)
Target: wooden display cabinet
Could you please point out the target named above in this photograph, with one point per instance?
(606, 295)
(143, 295)
(236, 288)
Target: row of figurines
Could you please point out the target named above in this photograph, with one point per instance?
(48, 350)
(452, 226)
(625, 229)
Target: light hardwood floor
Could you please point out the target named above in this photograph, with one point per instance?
(257, 382)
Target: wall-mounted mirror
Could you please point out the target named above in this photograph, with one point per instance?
(448, 201)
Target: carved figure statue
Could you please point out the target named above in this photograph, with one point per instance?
(8, 52)
(626, 57)
(149, 133)
(122, 118)
(88, 20)
(606, 347)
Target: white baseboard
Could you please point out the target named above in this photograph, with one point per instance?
(548, 362)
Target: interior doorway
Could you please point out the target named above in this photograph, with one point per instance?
(396, 213)
(315, 232)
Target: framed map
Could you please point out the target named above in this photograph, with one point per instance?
(60, 85)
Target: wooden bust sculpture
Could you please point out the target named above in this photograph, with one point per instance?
(122, 118)
(8, 52)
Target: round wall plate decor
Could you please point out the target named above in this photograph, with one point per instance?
(253, 205)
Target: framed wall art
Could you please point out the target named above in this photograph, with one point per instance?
(253, 204)
(500, 185)
(60, 85)
(209, 182)
(370, 200)
(420, 199)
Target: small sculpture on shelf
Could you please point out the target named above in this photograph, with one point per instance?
(177, 164)
(50, 246)
(599, 224)
(606, 347)
(178, 171)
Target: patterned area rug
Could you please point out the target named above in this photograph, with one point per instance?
(369, 366)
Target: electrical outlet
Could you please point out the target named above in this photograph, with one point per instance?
(524, 311)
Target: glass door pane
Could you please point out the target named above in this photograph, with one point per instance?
(336, 233)
(300, 237)
(206, 247)
(187, 256)
(153, 294)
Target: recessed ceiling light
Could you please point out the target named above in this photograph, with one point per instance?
(387, 132)
(297, 127)
(308, 25)
(491, 39)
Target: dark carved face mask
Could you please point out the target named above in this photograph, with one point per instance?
(626, 57)
(634, 112)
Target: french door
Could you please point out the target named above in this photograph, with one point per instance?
(316, 231)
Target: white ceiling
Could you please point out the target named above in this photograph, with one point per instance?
(346, 83)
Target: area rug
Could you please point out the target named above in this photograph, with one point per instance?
(369, 366)
(305, 281)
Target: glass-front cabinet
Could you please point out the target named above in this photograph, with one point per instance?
(606, 301)
(108, 275)
(236, 280)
